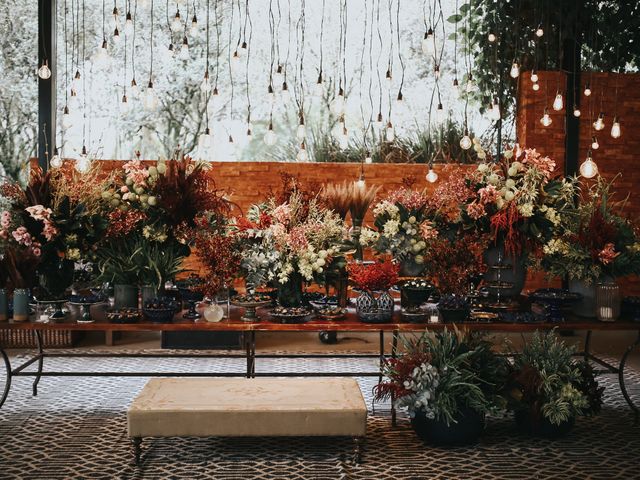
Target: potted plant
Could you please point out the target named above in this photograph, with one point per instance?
(593, 246)
(447, 381)
(373, 280)
(548, 388)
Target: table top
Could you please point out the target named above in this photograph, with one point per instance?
(350, 323)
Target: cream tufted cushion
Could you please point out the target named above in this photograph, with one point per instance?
(168, 407)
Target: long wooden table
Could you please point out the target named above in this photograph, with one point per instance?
(350, 324)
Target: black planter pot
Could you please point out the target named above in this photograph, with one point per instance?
(466, 430)
(541, 427)
(454, 316)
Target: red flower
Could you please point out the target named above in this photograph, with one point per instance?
(374, 276)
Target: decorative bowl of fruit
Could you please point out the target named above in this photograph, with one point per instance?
(251, 301)
(160, 310)
(331, 312)
(124, 315)
(290, 314)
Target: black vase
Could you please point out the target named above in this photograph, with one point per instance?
(454, 316)
(541, 427)
(466, 429)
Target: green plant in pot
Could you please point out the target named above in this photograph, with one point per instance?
(548, 388)
(120, 263)
(448, 382)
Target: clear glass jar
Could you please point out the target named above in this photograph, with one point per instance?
(607, 300)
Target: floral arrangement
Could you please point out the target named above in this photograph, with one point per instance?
(594, 242)
(295, 238)
(374, 277)
(441, 373)
(52, 222)
(549, 383)
(402, 226)
(517, 201)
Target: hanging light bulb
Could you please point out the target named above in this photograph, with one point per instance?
(66, 118)
(279, 73)
(599, 123)
(471, 84)
(235, 62)
(116, 36)
(193, 30)
(400, 100)
(536, 87)
(150, 101)
(427, 42)
(73, 101)
(318, 88)
(360, 183)
(170, 51)
(128, 25)
(205, 85)
(587, 90)
(432, 176)
(337, 105)
(378, 121)
(75, 82)
(436, 71)
(124, 104)
(594, 143)
(456, 88)
(249, 132)
(390, 134)
(302, 155)
(83, 163)
(176, 22)
(343, 139)
(301, 131)
(588, 168)
(244, 48)
(230, 139)
(134, 88)
(388, 77)
(205, 138)
(558, 104)
(286, 94)
(515, 69)
(184, 50)
(576, 111)
(539, 31)
(494, 113)
(491, 37)
(44, 72)
(271, 95)
(615, 128)
(465, 141)
(214, 99)
(101, 56)
(440, 113)
(270, 137)
(115, 18)
(367, 159)
(546, 119)
(534, 76)
(56, 160)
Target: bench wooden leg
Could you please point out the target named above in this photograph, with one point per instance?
(137, 449)
(358, 443)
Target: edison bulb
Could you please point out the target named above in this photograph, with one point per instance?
(286, 94)
(491, 37)
(205, 138)
(534, 76)
(235, 63)
(116, 36)
(576, 112)
(432, 176)
(360, 183)
(44, 72)
(440, 113)
(558, 104)
(378, 121)
(83, 163)
(390, 134)
(134, 90)
(170, 51)
(150, 101)
(302, 155)
(270, 137)
(615, 128)
(176, 23)
(244, 48)
(343, 139)
(184, 50)
(193, 30)
(456, 88)
(56, 160)
(587, 90)
(428, 43)
(588, 168)
(494, 112)
(599, 123)
(546, 119)
(471, 85)
(389, 78)
(368, 160)
(539, 31)
(465, 142)
(594, 143)
(101, 56)
(128, 25)
(301, 132)
(318, 88)
(205, 86)
(515, 70)
(75, 83)
(66, 118)
(124, 104)
(536, 87)
(337, 105)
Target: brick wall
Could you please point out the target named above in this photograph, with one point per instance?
(616, 158)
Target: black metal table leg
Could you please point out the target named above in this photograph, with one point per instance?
(247, 345)
(623, 387)
(394, 350)
(36, 381)
(253, 354)
(587, 346)
(7, 385)
(381, 355)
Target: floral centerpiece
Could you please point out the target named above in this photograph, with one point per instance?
(549, 388)
(374, 303)
(402, 229)
(447, 381)
(285, 244)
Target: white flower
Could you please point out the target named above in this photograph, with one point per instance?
(368, 236)
(391, 228)
(386, 207)
(483, 167)
(526, 210)
(508, 195)
(552, 215)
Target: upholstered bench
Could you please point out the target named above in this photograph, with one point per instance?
(256, 407)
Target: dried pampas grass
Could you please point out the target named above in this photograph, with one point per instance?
(347, 197)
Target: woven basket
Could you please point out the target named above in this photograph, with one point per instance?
(26, 338)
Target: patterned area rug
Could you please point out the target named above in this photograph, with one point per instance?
(76, 429)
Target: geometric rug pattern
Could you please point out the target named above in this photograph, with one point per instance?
(76, 429)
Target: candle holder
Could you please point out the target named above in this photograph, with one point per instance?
(607, 300)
